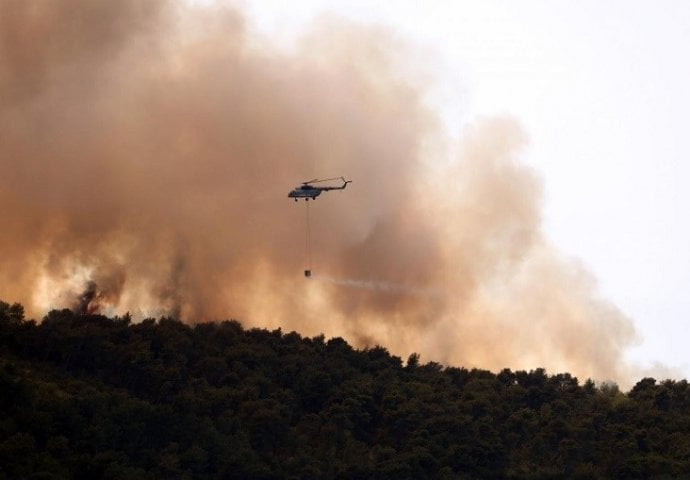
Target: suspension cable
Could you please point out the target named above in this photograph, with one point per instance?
(308, 243)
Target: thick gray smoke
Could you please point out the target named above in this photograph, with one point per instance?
(147, 148)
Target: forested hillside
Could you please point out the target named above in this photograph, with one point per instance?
(86, 396)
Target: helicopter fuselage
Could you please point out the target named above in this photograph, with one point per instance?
(306, 192)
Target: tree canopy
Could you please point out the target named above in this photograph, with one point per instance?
(87, 396)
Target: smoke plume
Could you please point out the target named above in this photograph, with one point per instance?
(146, 153)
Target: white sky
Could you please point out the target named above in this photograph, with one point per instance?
(603, 91)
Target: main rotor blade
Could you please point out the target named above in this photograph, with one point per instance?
(316, 180)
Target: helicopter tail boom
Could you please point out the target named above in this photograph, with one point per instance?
(345, 182)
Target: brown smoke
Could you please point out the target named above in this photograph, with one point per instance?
(149, 147)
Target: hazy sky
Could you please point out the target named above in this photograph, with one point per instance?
(601, 89)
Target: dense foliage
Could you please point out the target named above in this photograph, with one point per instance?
(86, 396)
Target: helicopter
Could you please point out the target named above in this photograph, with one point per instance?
(307, 190)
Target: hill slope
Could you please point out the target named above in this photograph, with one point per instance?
(85, 396)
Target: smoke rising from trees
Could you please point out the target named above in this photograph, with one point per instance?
(148, 148)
